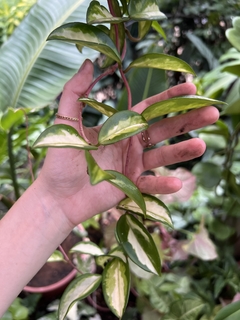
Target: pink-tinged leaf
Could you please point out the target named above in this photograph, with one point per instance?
(188, 184)
(201, 246)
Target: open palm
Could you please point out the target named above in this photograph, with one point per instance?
(65, 170)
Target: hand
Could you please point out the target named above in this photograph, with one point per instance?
(64, 174)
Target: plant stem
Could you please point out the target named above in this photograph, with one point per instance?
(68, 260)
(12, 164)
(129, 94)
(109, 71)
(6, 201)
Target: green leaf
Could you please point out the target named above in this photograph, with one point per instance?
(144, 10)
(177, 104)
(233, 33)
(56, 256)
(121, 125)
(86, 35)
(95, 172)
(78, 289)
(143, 83)
(61, 136)
(101, 107)
(99, 14)
(230, 312)
(128, 187)
(208, 174)
(232, 67)
(10, 118)
(116, 286)
(206, 52)
(156, 210)
(161, 61)
(87, 247)
(138, 243)
(156, 26)
(187, 309)
(18, 310)
(143, 28)
(32, 71)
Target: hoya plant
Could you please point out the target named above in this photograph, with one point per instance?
(106, 31)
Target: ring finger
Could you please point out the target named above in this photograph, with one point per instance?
(175, 126)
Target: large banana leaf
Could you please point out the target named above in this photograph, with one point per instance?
(33, 71)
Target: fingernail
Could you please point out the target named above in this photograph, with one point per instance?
(83, 65)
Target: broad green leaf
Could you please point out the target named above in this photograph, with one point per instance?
(138, 243)
(116, 286)
(176, 105)
(61, 136)
(78, 289)
(87, 247)
(144, 10)
(11, 117)
(56, 256)
(121, 125)
(101, 107)
(86, 35)
(95, 172)
(32, 71)
(232, 67)
(208, 174)
(233, 33)
(143, 83)
(187, 309)
(206, 52)
(160, 61)
(156, 26)
(99, 14)
(233, 108)
(128, 187)
(230, 312)
(156, 210)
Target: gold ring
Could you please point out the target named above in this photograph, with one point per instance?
(147, 140)
(65, 117)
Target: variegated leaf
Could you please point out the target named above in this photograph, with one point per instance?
(101, 107)
(176, 105)
(88, 36)
(161, 61)
(121, 125)
(138, 243)
(61, 136)
(78, 289)
(156, 210)
(87, 247)
(116, 286)
(128, 187)
(95, 172)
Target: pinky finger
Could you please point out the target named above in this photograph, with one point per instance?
(158, 185)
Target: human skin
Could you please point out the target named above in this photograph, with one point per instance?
(62, 197)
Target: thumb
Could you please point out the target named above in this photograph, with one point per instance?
(69, 105)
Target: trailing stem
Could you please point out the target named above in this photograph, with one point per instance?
(12, 164)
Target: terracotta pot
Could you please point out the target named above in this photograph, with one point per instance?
(54, 277)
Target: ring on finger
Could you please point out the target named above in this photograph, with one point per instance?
(147, 140)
